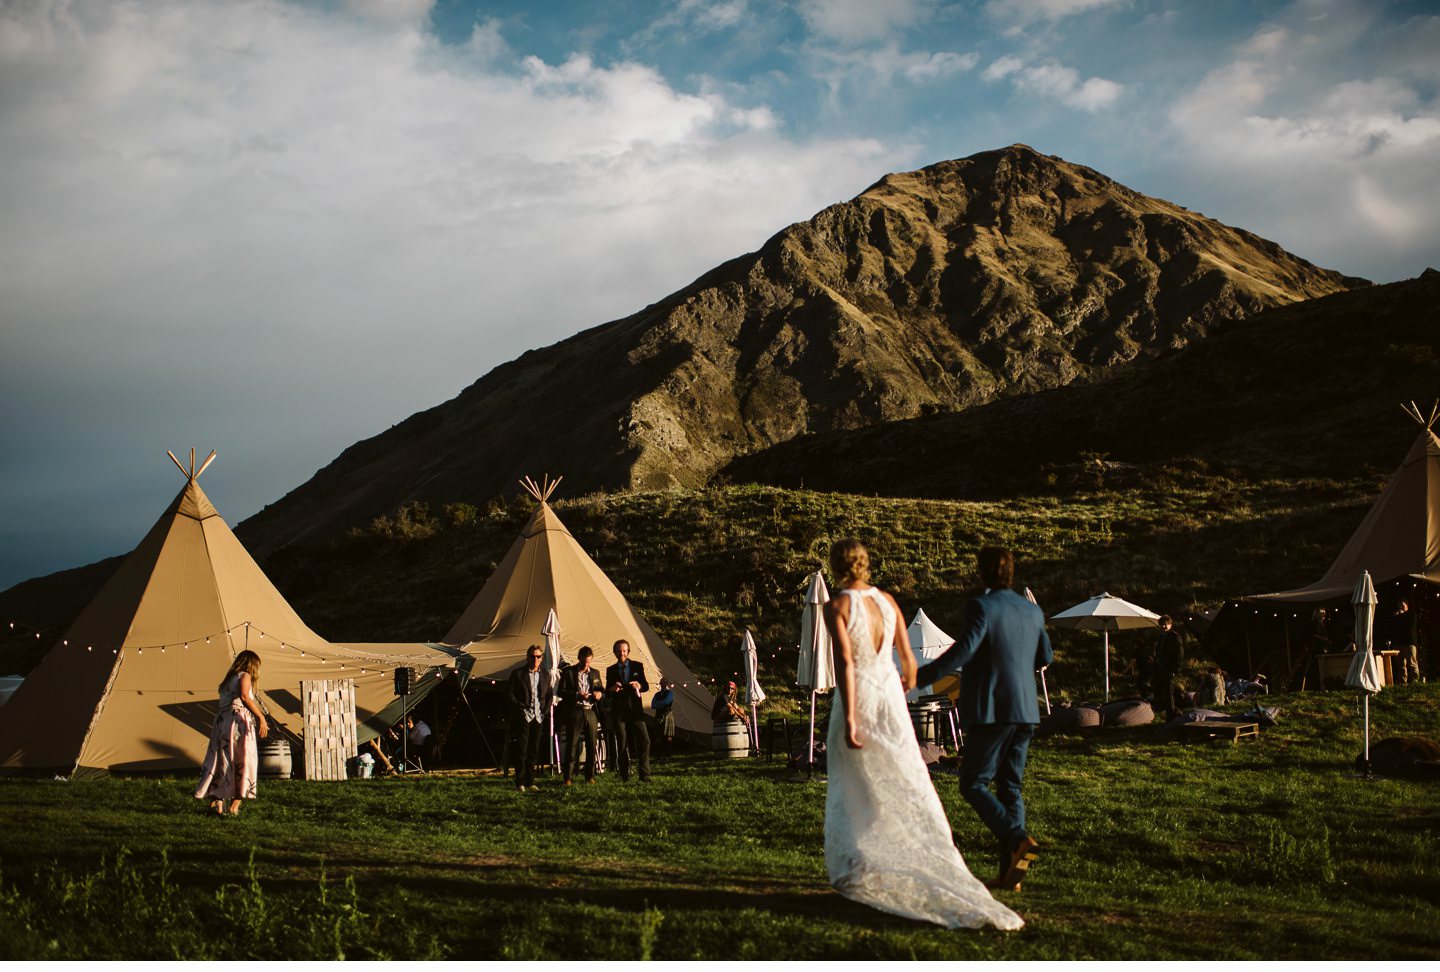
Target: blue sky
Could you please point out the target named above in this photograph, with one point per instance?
(273, 228)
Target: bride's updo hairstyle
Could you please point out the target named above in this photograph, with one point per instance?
(849, 561)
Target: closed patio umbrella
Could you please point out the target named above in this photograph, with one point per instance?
(1043, 687)
(1364, 673)
(1106, 613)
(753, 694)
(550, 667)
(816, 668)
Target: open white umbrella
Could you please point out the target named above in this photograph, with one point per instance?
(816, 668)
(550, 668)
(928, 641)
(1106, 613)
(753, 694)
(1043, 687)
(1364, 673)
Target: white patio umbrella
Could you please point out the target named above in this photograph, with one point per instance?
(816, 668)
(1364, 673)
(1106, 613)
(928, 641)
(1043, 687)
(753, 694)
(550, 667)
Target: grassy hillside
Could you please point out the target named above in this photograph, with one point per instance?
(702, 565)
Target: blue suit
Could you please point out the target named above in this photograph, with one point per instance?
(1002, 643)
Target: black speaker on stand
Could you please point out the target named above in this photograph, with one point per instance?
(404, 679)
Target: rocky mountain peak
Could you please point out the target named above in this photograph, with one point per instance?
(932, 291)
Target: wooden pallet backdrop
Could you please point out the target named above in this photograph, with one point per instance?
(329, 727)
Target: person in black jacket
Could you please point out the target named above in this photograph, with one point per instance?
(625, 682)
(531, 696)
(580, 691)
(1169, 655)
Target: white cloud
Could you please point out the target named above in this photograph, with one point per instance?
(1022, 13)
(486, 42)
(217, 215)
(1056, 82)
(394, 12)
(862, 21)
(1332, 151)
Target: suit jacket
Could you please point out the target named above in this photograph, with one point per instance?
(571, 690)
(624, 703)
(1002, 643)
(518, 690)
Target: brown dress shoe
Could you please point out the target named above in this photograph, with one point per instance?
(1026, 851)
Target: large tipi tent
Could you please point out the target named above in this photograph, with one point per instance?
(1399, 537)
(546, 568)
(1397, 542)
(133, 684)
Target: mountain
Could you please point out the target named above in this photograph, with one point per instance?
(1306, 390)
(932, 291)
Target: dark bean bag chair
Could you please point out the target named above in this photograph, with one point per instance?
(1404, 757)
(1069, 718)
(1127, 712)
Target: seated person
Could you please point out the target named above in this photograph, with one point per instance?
(727, 706)
(421, 739)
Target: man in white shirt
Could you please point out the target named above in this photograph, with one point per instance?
(530, 694)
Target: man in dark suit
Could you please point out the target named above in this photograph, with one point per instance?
(1169, 656)
(580, 690)
(1002, 643)
(625, 681)
(531, 696)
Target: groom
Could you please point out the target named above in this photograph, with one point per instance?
(1001, 644)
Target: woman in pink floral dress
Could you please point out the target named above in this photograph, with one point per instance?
(228, 774)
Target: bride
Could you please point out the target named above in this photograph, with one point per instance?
(887, 839)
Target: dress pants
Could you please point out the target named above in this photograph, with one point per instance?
(632, 731)
(997, 752)
(583, 727)
(528, 736)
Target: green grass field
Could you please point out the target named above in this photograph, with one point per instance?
(1268, 849)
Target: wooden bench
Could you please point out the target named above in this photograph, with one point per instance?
(1233, 731)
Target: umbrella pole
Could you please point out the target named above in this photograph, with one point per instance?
(755, 727)
(1367, 736)
(810, 764)
(1107, 664)
(1046, 689)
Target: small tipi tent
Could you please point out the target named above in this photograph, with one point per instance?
(546, 568)
(132, 686)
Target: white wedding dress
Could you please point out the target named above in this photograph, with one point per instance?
(887, 839)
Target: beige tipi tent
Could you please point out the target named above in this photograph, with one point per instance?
(546, 568)
(1399, 537)
(132, 686)
(1397, 542)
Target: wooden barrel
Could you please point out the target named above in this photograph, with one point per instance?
(274, 759)
(730, 740)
